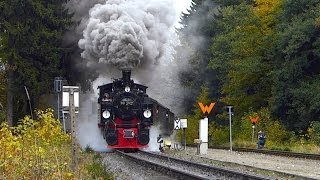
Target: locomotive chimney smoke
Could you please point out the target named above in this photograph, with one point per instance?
(127, 33)
(126, 75)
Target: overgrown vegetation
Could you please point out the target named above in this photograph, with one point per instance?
(38, 149)
(264, 61)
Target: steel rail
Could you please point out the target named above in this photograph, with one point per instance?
(275, 152)
(164, 169)
(217, 170)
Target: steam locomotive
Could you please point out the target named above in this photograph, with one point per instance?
(127, 113)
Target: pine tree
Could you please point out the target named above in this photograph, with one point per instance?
(32, 32)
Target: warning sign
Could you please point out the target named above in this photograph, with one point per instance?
(177, 124)
(160, 139)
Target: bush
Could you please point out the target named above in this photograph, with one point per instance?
(314, 132)
(218, 135)
(39, 149)
(276, 133)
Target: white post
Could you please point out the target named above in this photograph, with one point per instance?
(230, 126)
(253, 133)
(203, 133)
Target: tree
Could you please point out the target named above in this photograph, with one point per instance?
(32, 31)
(194, 118)
(195, 37)
(296, 54)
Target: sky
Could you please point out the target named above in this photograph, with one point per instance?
(182, 6)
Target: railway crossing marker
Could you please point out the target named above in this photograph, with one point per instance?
(177, 124)
(160, 140)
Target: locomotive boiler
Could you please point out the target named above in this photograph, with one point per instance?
(127, 113)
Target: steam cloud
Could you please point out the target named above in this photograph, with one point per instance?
(123, 33)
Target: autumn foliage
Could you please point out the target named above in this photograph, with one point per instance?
(35, 149)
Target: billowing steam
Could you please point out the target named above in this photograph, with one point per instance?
(123, 33)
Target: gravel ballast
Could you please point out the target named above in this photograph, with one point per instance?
(290, 165)
(238, 161)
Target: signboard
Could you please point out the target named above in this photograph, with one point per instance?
(183, 123)
(177, 124)
(160, 139)
(57, 84)
(254, 120)
(65, 97)
(206, 109)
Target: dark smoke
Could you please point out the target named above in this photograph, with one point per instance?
(130, 34)
(124, 33)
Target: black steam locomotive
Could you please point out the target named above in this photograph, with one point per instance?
(126, 114)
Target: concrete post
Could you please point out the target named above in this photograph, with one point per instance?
(203, 134)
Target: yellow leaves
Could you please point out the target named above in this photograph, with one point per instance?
(265, 8)
(28, 150)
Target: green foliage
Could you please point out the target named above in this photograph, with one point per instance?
(264, 60)
(32, 34)
(218, 135)
(97, 169)
(39, 149)
(88, 149)
(295, 86)
(195, 36)
(314, 132)
(192, 131)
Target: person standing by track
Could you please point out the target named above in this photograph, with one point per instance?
(261, 139)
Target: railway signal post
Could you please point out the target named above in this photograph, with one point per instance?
(253, 120)
(70, 103)
(230, 113)
(203, 126)
(184, 125)
(58, 88)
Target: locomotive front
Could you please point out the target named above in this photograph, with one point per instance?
(126, 113)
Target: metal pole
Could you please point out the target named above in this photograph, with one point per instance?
(73, 132)
(59, 106)
(64, 122)
(230, 128)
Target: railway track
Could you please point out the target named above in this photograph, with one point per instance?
(274, 152)
(181, 169)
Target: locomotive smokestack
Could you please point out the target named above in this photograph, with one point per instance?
(126, 74)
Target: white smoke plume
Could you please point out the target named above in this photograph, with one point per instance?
(123, 33)
(126, 34)
(88, 133)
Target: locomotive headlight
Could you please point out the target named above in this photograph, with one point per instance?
(127, 89)
(147, 113)
(106, 114)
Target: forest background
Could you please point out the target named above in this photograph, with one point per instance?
(260, 56)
